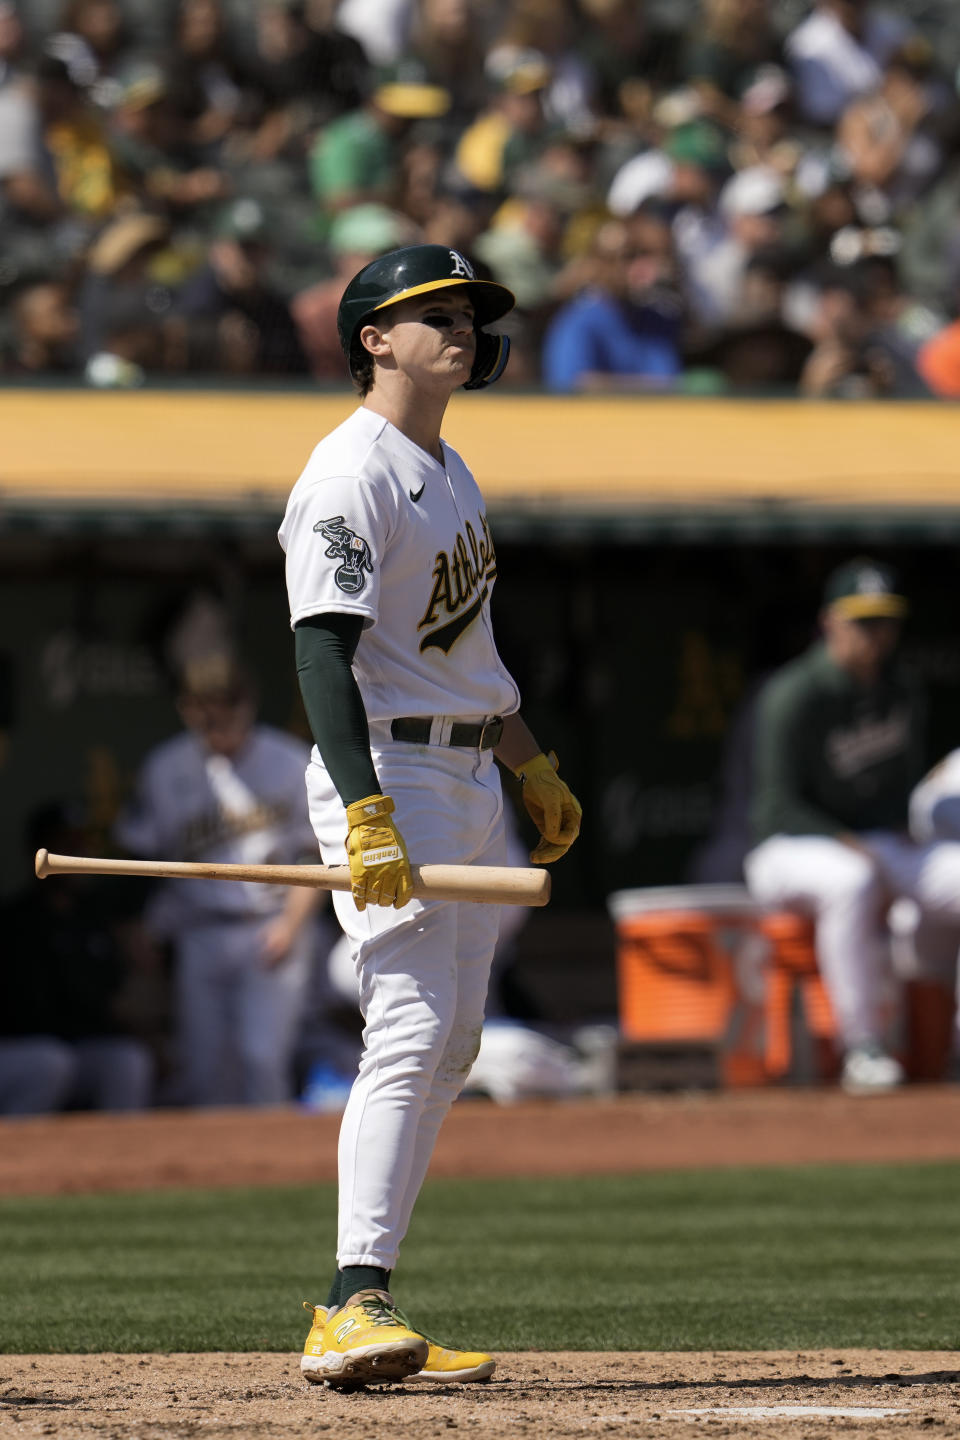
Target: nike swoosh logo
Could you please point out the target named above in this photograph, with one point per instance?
(419, 492)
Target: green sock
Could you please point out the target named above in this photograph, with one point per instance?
(361, 1277)
(333, 1294)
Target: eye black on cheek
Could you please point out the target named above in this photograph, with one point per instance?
(438, 322)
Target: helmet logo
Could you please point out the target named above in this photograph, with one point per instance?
(461, 266)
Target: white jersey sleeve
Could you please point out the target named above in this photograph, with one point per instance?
(335, 533)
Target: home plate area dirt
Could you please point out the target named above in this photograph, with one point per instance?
(780, 1396)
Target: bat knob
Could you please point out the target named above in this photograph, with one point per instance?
(40, 864)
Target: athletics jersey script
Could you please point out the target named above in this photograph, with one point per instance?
(376, 527)
(461, 584)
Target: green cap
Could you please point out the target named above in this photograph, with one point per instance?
(242, 220)
(697, 142)
(415, 270)
(864, 589)
(368, 229)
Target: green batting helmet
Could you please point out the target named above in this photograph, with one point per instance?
(415, 270)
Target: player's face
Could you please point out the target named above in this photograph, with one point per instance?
(863, 646)
(223, 723)
(432, 337)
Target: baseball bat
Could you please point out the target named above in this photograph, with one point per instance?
(484, 884)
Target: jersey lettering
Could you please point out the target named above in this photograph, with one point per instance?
(212, 829)
(461, 583)
(461, 265)
(350, 549)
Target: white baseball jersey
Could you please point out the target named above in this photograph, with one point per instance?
(248, 810)
(376, 527)
(935, 803)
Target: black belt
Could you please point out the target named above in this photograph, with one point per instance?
(415, 730)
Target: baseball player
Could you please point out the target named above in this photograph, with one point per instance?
(229, 790)
(390, 564)
(838, 749)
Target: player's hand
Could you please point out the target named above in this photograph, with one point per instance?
(551, 806)
(379, 868)
(276, 941)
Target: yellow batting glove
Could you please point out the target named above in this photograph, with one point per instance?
(551, 806)
(379, 868)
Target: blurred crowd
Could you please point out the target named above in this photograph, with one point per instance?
(705, 195)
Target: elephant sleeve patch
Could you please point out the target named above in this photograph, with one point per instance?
(350, 550)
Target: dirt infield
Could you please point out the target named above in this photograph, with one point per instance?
(562, 1396)
(784, 1396)
(78, 1153)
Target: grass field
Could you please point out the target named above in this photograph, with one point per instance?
(727, 1260)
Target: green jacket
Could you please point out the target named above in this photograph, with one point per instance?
(831, 755)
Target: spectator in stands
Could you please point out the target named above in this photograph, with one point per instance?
(930, 257)
(27, 191)
(356, 237)
(837, 53)
(764, 126)
(151, 138)
(629, 57)
(753, 208)
(381, 26)
(886, 136)
(71, 164)
(625, 328)
(839, 740)
(357, 158)
(11, 42)
(868, 334)
(447, 39)
(46, 329)
(205, 62)
(234, 290)
(92, 42)
(545, 28)
(63, 967)
(278, 101)
(524, 246)
(305, 72)
(723, 51)
(513, 130)
(758, 350)
(122, 308)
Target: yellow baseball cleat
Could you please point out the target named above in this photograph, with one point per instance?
(455, 1367)
(443, 1365)
(364, 1343)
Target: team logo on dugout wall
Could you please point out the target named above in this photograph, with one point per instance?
(350, 549)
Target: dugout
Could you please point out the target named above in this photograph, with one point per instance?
(657, 557)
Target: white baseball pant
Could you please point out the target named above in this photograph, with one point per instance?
(237, 1020)
(848, 894)
(423, 973)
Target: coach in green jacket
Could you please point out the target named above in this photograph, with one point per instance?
(838, 748)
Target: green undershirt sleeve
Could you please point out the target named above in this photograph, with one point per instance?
(325, 647)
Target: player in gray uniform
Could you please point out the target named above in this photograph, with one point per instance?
(390, 565)
(229, 790)
(838, 748)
